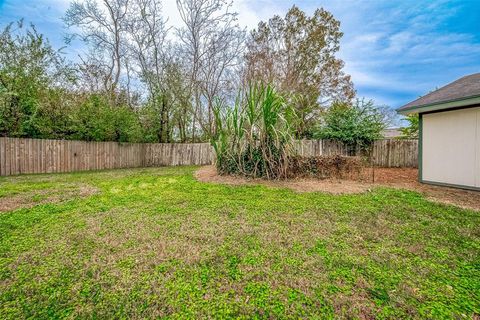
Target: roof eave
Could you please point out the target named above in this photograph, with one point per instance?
(469, 101)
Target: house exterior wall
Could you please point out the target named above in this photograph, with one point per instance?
(451, 148)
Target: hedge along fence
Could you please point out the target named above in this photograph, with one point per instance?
(19, 156)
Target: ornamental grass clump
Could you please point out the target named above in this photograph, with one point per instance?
(254, 138)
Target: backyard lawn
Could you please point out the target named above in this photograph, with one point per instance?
(151, 243)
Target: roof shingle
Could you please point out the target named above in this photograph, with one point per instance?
(465, 87)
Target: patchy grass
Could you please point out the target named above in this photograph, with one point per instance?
(157, 243)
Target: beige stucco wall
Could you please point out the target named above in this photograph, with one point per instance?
(451, 147)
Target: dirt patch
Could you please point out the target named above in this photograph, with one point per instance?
(403, 178)
(209, 174)
(33, 198)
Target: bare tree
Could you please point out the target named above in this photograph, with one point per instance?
(129, 37)
(159, 70)
(147, 32)
(212, 45)
(220, 70)
(92, 72)
(102, 25)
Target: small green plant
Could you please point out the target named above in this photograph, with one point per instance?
(254, 137)
(357, 125)
(411, 131)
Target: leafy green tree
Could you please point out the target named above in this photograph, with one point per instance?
(356, 125)
(92, 120)
(53, 115)
(31, 73)
(297, 54)
(167, 112)
(38, 100)
(411, 131)
(96, 120)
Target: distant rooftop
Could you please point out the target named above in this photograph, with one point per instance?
(391, 133)
(452, 95)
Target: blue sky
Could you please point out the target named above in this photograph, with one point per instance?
(394, 50)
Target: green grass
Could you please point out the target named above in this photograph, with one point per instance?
(155, 243)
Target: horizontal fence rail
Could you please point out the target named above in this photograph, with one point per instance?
(19, 156)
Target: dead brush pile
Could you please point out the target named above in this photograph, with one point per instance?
(326, 167)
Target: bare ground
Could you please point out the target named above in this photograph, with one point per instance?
(33, 198)
(403, 178)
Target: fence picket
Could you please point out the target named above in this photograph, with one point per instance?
(42, 156)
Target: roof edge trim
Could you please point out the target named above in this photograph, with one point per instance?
(467, 101)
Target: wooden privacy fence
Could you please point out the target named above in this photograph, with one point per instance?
(395, 153)
(18, 156)
(386, 153)
(313, 148)
(177, 154)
